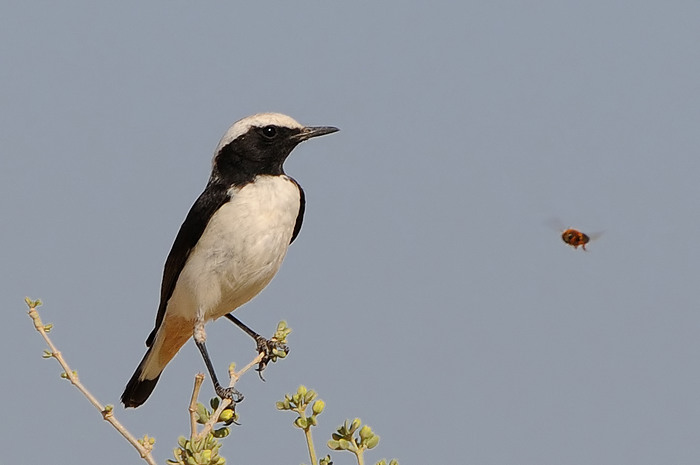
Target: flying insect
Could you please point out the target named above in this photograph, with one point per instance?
(573, 237)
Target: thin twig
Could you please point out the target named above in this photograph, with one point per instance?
(310, 445)
(198, 379)
(107, 413)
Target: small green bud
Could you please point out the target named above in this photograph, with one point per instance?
(309, 396)
(280, 405)
(355, 424)
(365, 432)
(47, 354)
(312, 420)
(182, 441)
(282, 332)
(47, 327)
(226, 415)
(214, 402)
(372, 442)
(279, 353)
(318, 407)
(301, 390)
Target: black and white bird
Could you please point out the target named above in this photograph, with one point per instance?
(230, 245)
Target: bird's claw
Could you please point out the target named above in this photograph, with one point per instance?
(270, 349)
(229, 393)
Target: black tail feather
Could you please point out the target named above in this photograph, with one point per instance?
(138, 390)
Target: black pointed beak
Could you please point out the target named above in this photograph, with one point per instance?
(314, 131)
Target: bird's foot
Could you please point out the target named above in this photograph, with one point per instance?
(271, 350)
(229, 393)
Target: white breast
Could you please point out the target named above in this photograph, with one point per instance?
(241, 249)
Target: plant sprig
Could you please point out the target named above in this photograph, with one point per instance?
(351, 436)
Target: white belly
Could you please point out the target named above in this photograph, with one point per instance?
(240, 251)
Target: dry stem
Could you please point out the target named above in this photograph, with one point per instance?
(198, 379)
(107, 413)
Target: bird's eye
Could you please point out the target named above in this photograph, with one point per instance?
(269, 131)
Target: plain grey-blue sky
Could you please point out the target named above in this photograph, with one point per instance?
(426, 294)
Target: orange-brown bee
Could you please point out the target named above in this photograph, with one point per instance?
(571, 236)
(575, 238)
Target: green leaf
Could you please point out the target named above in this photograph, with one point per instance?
(33, 303)
(333, 444)
(301, 423)
(221, 432)
(202, 413)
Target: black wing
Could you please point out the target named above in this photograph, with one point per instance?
(300, 215)
(213, 197)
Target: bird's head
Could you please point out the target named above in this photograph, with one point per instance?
(259, 144)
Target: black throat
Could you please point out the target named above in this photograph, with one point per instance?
(251, 154)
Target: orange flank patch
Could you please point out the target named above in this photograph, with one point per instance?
(176, 331)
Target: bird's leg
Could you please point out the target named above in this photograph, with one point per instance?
(263, 346)
(199, 338)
